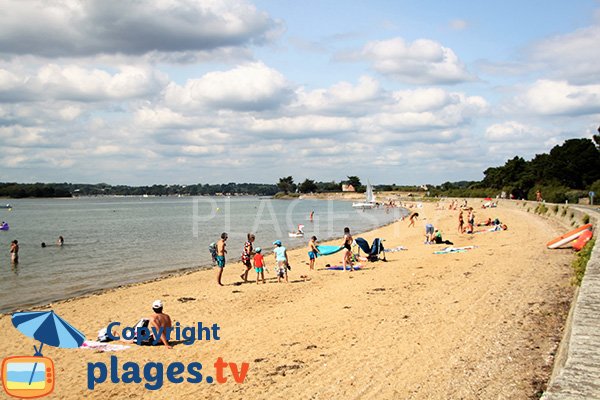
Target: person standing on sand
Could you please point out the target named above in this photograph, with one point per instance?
(14, 252)
(461, 222)
(259, 265)
(247, 254)
(313, 252)
(348, 239)
(220, 258)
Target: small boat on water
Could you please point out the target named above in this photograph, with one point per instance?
(6, 206)
(369, 202)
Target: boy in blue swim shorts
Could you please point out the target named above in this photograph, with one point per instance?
(313, 252)
(220, 257)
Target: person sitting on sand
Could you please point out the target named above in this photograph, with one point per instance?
(259, 265)
(281, 260)
(160, 320)
(155, 322)
(438, 238)
(313, 252)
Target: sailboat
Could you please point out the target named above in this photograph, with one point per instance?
(369, 201)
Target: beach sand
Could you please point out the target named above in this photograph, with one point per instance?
(481, 324)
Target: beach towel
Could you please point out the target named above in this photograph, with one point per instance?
(341, 267)
(328, 250)
(395, 249)
(451, 249)
(103, 347)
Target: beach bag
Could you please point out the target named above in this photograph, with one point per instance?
(142, 323)
(212, 248)
(103, 335)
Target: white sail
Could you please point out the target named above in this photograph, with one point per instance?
(370, 195)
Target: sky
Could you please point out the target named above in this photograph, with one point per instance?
(216, 91)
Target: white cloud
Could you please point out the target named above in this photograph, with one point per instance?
(549, 97)
(76, 83)
(341, 97)
(510, 131)
(423, 61)
(252, 86)
(71, 28)
(573, 56)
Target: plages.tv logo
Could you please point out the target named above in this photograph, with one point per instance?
(29, 377)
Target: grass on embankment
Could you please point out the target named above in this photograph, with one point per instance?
(580, 262)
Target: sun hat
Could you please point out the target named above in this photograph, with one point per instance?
(277, 243)
(157, 304)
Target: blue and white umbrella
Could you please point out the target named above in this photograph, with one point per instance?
(48, 328)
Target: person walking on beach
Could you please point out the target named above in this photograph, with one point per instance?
(313, 252)
(220, 258)
(413, 217)
(281, 260)
(14, 252)
(247, 254)
(259, 265)
(461, 222)
(348, 239)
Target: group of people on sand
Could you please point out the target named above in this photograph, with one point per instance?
(14, 249)
(252, 257)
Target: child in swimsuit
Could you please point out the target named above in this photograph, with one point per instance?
(259, 265)
(313, 252)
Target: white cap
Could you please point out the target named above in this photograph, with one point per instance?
(157, 304)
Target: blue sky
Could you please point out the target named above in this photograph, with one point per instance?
(188, 91)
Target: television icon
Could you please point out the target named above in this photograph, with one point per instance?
(28, 377)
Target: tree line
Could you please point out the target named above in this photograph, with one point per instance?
(568, 172)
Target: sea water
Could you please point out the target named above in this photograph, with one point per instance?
(111, 241)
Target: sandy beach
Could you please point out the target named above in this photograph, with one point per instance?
(480, 324)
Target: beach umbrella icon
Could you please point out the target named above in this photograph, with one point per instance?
(48, 328)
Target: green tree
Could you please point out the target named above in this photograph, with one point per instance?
(286, 184)
(308, 186)
(354, 181)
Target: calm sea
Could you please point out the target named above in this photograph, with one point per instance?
(115, 241)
